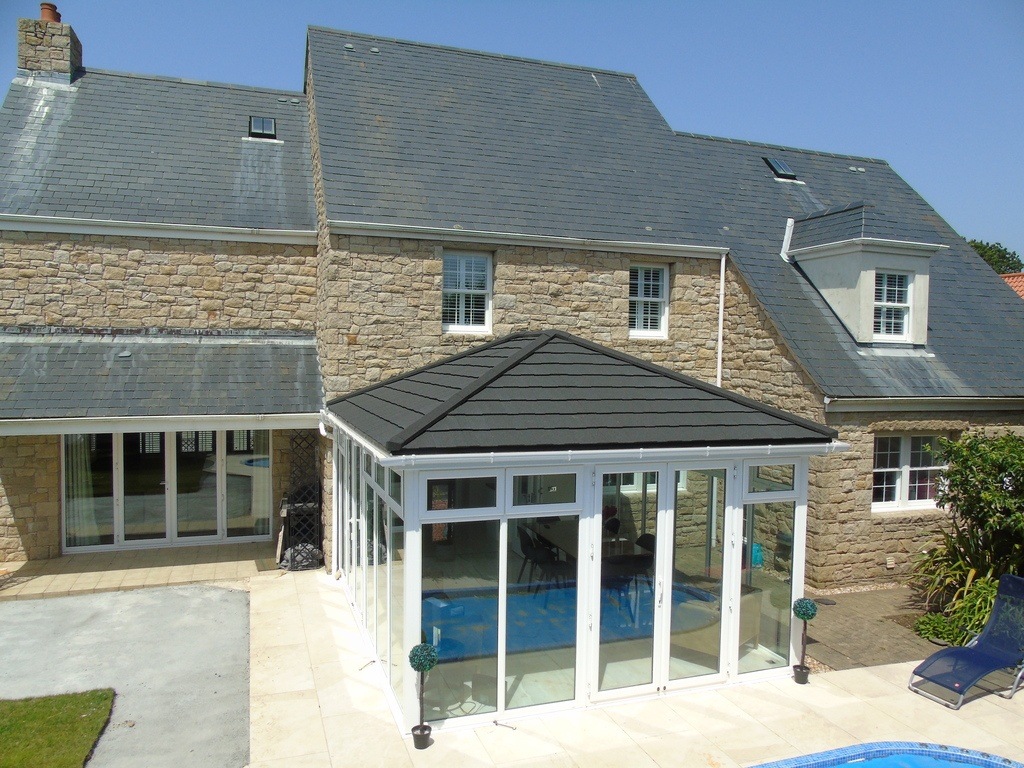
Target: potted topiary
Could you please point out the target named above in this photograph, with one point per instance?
(422, 658)
(804, 609)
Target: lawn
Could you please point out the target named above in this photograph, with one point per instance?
(55, 731)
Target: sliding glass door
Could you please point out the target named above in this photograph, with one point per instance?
(152, 488)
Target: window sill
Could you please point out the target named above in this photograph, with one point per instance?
(460, 330)
(648, 336)
(910, 508)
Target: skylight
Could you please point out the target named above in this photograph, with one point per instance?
(262, 128)
(780, 168)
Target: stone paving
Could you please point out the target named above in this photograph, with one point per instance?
(860, 630)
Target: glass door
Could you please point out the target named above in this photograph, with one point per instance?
(696, 569)
(145, 502)
(196, 484)
(626, 603)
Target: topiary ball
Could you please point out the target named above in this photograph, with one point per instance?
(805, 609)
(423, 657)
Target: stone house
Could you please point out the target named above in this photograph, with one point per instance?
(755, 347)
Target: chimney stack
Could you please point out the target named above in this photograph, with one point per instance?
(47, 47)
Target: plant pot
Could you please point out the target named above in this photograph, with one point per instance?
(800, 673)
(421, 736)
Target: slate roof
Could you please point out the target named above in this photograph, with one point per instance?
(73, 375)
(428, 136)
(549, 390)
(121, 147)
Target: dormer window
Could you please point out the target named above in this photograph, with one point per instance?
(892, 306)
(262, 128)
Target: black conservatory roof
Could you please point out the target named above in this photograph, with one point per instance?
(549, 390)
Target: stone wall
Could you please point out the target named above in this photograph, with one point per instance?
(92, 281)
(380, 306)
(29, 497)
(848, 543)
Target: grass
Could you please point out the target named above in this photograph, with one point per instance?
(55, 731)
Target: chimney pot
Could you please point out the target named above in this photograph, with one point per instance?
(49, 12)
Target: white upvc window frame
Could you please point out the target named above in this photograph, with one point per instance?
(902, 474)
(886, 305)
(460, 290)
(637, 301)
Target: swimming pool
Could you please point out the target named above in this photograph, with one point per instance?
(896, 754)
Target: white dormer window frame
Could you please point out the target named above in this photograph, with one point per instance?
(648, 301)
(466, 292)
(892, 306)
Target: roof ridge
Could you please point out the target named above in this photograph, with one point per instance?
(426, 421)
(765, 145)
(188, 81)
(473, 52)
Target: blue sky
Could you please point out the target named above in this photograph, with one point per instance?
(934, 87)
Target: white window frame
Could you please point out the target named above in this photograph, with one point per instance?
(906, 307)
(461, 258)
(903, 500)
(634, 315)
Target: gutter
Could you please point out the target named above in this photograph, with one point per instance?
(89, 425)
(76, 226)
(919, 404)
(516, 238)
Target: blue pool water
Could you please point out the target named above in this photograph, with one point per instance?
(896, 754)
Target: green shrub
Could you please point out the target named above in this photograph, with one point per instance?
(983, 488)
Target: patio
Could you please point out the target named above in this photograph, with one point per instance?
(316, 700)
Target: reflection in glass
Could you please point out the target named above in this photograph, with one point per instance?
(766, 478)
(88, 490)
(543, 489)
(697, 550)
(196, 477)
(766, 592)
(396, 569)
(380, 566)
(460, 617)
(248, 482)
(540, 631)
(145, 505)
(462, 493)
(630, 513)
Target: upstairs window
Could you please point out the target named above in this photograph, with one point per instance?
(648, 301)
(892, 306)
(466, 293)
(906, 471)
(262, 128)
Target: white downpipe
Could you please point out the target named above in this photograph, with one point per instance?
(721, 318)
(786, 239)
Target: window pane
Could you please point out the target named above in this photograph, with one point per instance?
(887, 452)
(886, 486)
(88, 490)
(922, 484)
(543, 489)
(890, 321)
(924, 451)
(540, 635)
(248, 482)
(462, 493)
(395, 485)
(697, 557)
(627, 596)
(197, 484)
(766, 592)
(460, 620)
(145, 503)
(767, 478)
(396, 566)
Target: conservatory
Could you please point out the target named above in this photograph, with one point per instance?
(567, 525)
